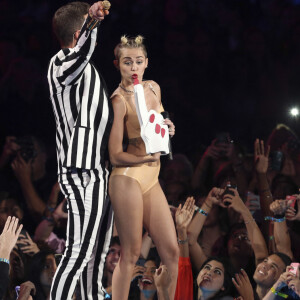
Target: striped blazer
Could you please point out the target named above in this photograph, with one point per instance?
(80, 103)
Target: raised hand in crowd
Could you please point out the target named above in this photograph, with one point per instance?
(214, 197)
(254, 234)
(9, 236)
(281, 233)
(26, 290)
(44, 230)
(261, 162)
(183, 218)
(284, 280)
(10, 149)
(294, 283)
(137, 271)
(162, 281)
(291, 213)
(27, 245)
(261, 157)
(8, 240)
(243, 285)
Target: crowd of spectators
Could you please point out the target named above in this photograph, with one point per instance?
(229, 73)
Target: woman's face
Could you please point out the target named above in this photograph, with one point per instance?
(147, 281)
(16, 266)
(211, 277)
(132, 61)
(48, 271)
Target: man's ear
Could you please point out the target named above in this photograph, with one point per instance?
(116, 63)
(76, 35)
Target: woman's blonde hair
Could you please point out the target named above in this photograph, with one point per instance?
(129, 43)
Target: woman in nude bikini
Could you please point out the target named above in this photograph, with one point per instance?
(135, 192)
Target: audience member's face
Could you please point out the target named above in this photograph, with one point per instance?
(112, 257)
(132, 61)
(147, 281)
(174, 192)
(211, 277)
(175, 171)
(16, 265)
(48, 271)
(239, 243)
(267, 272)
(9, 207)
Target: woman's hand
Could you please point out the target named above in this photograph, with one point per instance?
(278, 207)
(184, 215)
(291, 213)
(261, 157)
(243, 285)
(171, 126)
(215, 197)
(294, 284)
(162, 278)
(9, 236)
(30, 247)
(26, 289)
(22, 169)
(137, 271)
(235, 201)
(284, 278)
(154, 157)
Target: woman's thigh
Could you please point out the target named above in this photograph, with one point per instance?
(127, 202)
(159, 222)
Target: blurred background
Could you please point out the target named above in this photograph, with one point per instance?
(230, 65)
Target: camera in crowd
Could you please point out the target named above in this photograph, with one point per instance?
(27, 149)
(227, 191)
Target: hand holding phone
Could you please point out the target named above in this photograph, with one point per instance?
(295, 268)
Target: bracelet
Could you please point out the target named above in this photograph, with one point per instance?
(206, 204)
(49, 219)
(201, 211)
(51, 209)
(181, 242)
(278, 293)
(247, 222)
(4, 260)
(274, 219)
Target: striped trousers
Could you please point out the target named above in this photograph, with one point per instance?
(89, 231)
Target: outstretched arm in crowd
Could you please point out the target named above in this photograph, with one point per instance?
(162, 281)
(183, 217)
(8, 240)
(256, 238)
(261, 162)
(23, 173)
(281, 231)
(196, 253)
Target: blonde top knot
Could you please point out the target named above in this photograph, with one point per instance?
(130, 42)
(139, 40)
(124, 40)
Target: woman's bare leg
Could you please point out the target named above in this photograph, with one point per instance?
(127, 202)
(159, 223)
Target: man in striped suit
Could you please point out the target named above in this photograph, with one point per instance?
(83, 120)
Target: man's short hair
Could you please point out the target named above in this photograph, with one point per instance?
(67, 20)
(115, 240)
(285, 258)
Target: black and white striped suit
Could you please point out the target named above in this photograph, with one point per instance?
(84, 118)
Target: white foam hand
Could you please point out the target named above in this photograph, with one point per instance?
(154, 132)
